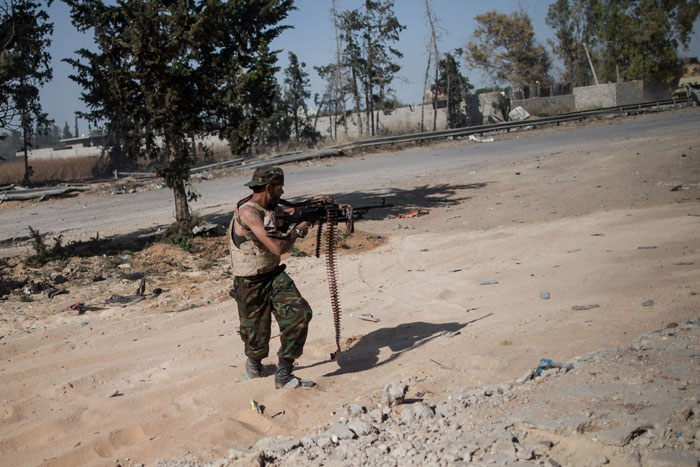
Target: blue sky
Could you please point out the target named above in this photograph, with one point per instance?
(313, 41)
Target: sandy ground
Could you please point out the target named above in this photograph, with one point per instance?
(457, 294)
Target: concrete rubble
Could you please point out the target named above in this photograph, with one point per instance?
(633, 406)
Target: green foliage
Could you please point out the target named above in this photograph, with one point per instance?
(177, 69)
(639, 39)
(571, 22)
(26, 298)
(368, 35)
(184, 242)
(485, 90)
(627, 39)
(25, 36)
(42, 252)
(504, 47)
(296, 87)
(455, 87)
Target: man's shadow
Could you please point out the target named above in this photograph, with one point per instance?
(364, 354)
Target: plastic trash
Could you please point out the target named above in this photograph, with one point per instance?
(546, 363)
(544, 294)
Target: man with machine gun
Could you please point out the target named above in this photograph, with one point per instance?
(261, 287)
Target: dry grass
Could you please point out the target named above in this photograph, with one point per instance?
(49, 170)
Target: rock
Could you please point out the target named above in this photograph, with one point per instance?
(446, 410)
(360, 428)
(307, 442)
(323, 441)
(423, 411)
(526, 377)
(621, 436)
(672, 458)
(355, 410)
(341, 430)
(377, 415)
(394, 394)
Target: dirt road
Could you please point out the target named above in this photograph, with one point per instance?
(612, 222)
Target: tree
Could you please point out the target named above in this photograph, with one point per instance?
(66, 131)
(330, 98)
(297, 85)
(571, 22)
(639, 39)
(177, 68)
(368, 34)
(381, 29)
(24, 67)
(350, 25)
(504, 47)
(433, 56)
(455, 87)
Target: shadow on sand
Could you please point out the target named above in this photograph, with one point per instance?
(364, 354)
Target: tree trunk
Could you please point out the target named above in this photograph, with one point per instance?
(450, 106)
(339, 70)
(425, 85)
(436, 57)
(182, 210)
(25, 140)
(356, 94)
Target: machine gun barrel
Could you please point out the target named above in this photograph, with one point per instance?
(318, 212)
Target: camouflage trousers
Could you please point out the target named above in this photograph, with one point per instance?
(260, 297)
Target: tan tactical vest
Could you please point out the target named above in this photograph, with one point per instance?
(252, 257)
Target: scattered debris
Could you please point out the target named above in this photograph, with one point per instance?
(394, 393)
(124, 300)
(518, 114)
(489, 283)
(278, 414)
(546, 363)
(477, 139)
(584, 307)
(544, 294)
(646, 247)
(414, 213)
(367, 317)
(117, 393)
(207, 229)
(648, 303)
(259, 408)
(52, 292)
(79, 307)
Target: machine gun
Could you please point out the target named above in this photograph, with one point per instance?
(322, 212)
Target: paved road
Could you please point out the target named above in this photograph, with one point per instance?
(350, 179)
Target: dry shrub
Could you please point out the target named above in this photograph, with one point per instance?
(49, 170)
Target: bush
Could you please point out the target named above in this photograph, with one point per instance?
(42, 253)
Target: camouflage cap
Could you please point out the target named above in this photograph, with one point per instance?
(267, 176)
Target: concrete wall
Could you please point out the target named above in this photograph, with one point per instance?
(74, 151)
(609, 95)
(402, 120)
(546, 106)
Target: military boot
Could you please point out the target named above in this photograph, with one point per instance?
(284, 376)
(253, 368)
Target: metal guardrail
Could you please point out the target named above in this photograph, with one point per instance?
(429, 135)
